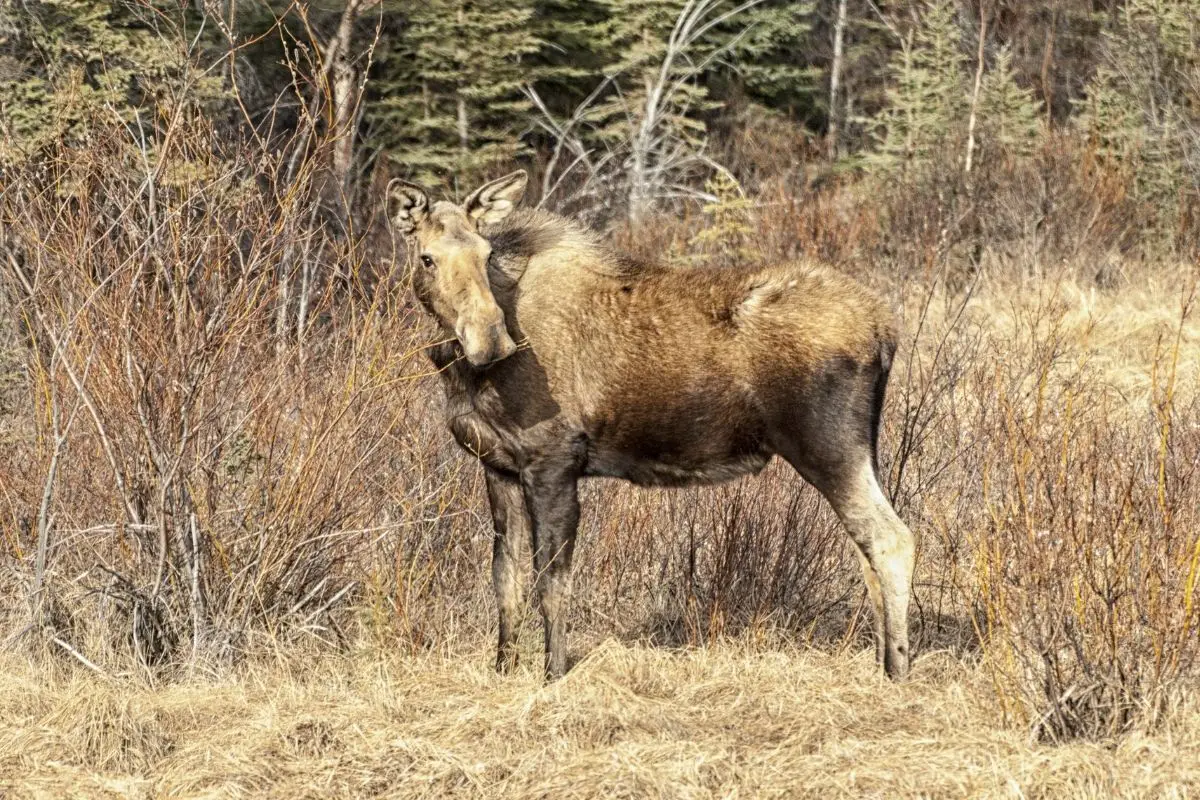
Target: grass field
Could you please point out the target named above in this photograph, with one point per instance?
(737, 719)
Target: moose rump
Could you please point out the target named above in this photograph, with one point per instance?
(656, 375)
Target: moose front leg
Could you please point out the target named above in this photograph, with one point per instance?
(551, 492)
(472, 432)
(481, 440)
(512, 528)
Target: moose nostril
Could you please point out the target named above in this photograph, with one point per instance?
(505, 346)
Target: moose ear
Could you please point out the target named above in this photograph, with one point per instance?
(494, 201)
(407, 205)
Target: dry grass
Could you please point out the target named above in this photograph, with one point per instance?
(739, 719)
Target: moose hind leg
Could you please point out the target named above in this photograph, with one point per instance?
(875, 594)
(884, 543)
(829, 433)
(551, 493)
(510, 518)
(888, 552)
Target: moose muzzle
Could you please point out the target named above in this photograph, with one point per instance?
(485, 340)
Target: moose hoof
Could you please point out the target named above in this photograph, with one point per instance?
(896, 663)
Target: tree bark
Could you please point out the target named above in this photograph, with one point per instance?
(464, 130)
(1048, 67)
(337, 50)
(983, 21)
(835, 80)
(345, 112)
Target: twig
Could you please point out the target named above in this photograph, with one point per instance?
(79, 656)
(328, 603)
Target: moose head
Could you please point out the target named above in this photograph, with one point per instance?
(450, 271)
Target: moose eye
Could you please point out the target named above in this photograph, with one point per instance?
(427, 260)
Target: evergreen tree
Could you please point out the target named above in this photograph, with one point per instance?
(447, 100)
(63, 62)
(636, 34)
(1142, 109)
(766, 54)
(758, 49)
(728, 235)
(666, 57)
(927, 102)
(1010, 117)
(569, 61)
(868, 50)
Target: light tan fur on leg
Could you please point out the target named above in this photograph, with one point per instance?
(876, 597)
(887, 545)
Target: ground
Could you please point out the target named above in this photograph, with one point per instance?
(735, 719)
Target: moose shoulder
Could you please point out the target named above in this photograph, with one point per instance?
(565, 359)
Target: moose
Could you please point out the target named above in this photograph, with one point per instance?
(563, 359)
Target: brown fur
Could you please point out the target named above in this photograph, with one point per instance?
(659, 376)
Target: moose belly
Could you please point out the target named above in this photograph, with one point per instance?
(648, 472)
(656, 447)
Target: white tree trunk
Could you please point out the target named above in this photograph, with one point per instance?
(983, 20)
(835, 79)
(464, 130)
(345, 112)
(1047, 68)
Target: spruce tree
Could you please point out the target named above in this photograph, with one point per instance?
(65, 62)
(927, 102)
(569, 60)
(636, 33)
(766, 55)
(1142, 109)
(728, 234)
(447, 101)
(666, 57)
(757, 48)
(1010, 117)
